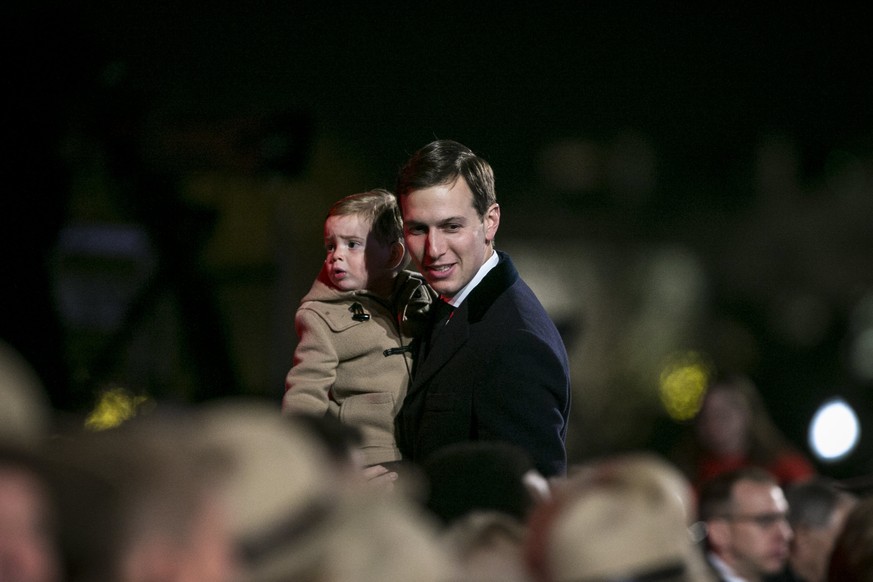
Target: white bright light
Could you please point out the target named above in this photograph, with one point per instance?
(834, 431)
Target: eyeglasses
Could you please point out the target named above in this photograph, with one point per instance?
(762, 520)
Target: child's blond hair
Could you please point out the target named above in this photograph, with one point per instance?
(378, 206)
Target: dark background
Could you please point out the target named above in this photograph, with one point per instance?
(121, 112)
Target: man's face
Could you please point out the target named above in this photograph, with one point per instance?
(446, 238)
(757, 532)
(812, 547)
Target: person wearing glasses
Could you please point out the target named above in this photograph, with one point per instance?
(746, 520)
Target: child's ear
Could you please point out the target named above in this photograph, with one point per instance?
(398, 255)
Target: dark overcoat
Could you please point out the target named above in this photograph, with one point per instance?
(498, 370)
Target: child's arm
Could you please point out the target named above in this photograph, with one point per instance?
(308, 383)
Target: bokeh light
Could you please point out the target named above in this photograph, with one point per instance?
(115, 406)
(834, 431)
(683, 381)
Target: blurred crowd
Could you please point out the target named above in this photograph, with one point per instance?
(230, 490)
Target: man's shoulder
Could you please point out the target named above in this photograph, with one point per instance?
(492, 287)
(504, 298)
(510, 282)
(514, 294)
(518, 301)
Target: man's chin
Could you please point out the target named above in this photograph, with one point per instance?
(774, 566)
(445, 290)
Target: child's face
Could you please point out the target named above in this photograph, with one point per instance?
(355, 259)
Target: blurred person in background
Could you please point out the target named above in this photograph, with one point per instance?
(746, 519)
(817, 510)
(852, 555)
(734, 429)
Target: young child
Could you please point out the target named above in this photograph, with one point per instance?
(356, 322)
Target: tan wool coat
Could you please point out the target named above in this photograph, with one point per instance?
(357, 369)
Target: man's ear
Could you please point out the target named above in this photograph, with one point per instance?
(491, 220)
(397, 258)
(718, 533)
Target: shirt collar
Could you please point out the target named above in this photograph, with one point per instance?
(480, 274)
(726, 572)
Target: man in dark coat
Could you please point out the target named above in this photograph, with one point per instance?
(494, 366)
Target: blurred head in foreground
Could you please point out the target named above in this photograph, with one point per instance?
(29, 550)
(294, 518)
(621, 518)
(141, 503)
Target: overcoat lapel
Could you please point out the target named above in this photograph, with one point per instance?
(449, 341)
(457, 331)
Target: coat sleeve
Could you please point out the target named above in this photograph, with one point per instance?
(525, 400)
(308, 383)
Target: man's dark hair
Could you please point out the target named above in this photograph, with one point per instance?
(812, 503)
(716, 495)
(442, 162)
(472, 476)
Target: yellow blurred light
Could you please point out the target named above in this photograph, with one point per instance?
(682, 384)
(114, 407)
